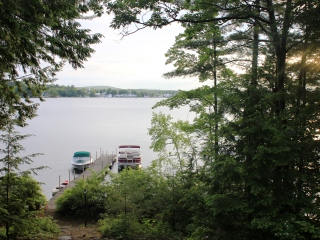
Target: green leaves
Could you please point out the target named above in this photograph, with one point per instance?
(71, 203)
(12, 148)
(21, 197)
(143, 203)
(37, 39)
(165, 135)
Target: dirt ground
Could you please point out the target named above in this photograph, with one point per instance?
(74, 229)
(77, 230)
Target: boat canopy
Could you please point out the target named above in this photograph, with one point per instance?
(82, 154)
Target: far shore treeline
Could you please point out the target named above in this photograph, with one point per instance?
(56, 90)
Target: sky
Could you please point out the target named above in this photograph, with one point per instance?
(135, 62)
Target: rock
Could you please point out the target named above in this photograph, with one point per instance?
(64, 238)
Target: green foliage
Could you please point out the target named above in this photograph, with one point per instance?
(134, 204)
(35, 227)
(253, 188)
(140, 204)
(55, 90)
(20, 212)
(142, 192)
(199, 52)
(37, 39)
(11, 148)
(247, 167)
(21, 198)
(250, 159)
(257, 134)
(117, 227)
(72, 203)
(166, 133)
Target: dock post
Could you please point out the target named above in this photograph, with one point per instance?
(85, 204)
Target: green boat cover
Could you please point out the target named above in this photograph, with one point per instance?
(81, 154)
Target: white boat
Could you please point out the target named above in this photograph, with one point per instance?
(81, 160)
(129, 156)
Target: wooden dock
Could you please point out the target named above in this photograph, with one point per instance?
(98, 165)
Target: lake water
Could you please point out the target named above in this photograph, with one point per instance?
(66, 125)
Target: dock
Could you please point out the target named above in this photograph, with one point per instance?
(98, 165)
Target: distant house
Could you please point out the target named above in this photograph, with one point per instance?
(125, 96)
(167, 95)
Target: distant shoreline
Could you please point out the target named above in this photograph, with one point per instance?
(55, 90)
(104, 97)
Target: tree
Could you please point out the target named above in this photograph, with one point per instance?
(37, 39)
(114, 92)
(123, 92)
(263, 180)
(21, 196)
(53, 93)
(200, 51)
(273, 19)
(138, 205)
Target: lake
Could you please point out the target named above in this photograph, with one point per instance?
(66, 125)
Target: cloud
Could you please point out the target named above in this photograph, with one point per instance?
(136, 61)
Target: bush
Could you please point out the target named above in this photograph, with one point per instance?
(32, 228)
(128, 227)
(36, 228)
(72, 202)
(20, 208)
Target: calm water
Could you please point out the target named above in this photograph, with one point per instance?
(66, 125)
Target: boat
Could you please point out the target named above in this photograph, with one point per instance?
(65, 182)
(129, 156)
(81, 160)
(57, 188)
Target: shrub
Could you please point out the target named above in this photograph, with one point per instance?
(72, 202)
(19, 211)
(128, 227)
(35, 228)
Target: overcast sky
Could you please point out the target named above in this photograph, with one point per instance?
(135, 62)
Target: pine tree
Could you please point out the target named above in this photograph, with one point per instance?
(21, 196)
(263, 180)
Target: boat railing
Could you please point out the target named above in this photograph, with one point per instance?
(125, 160)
